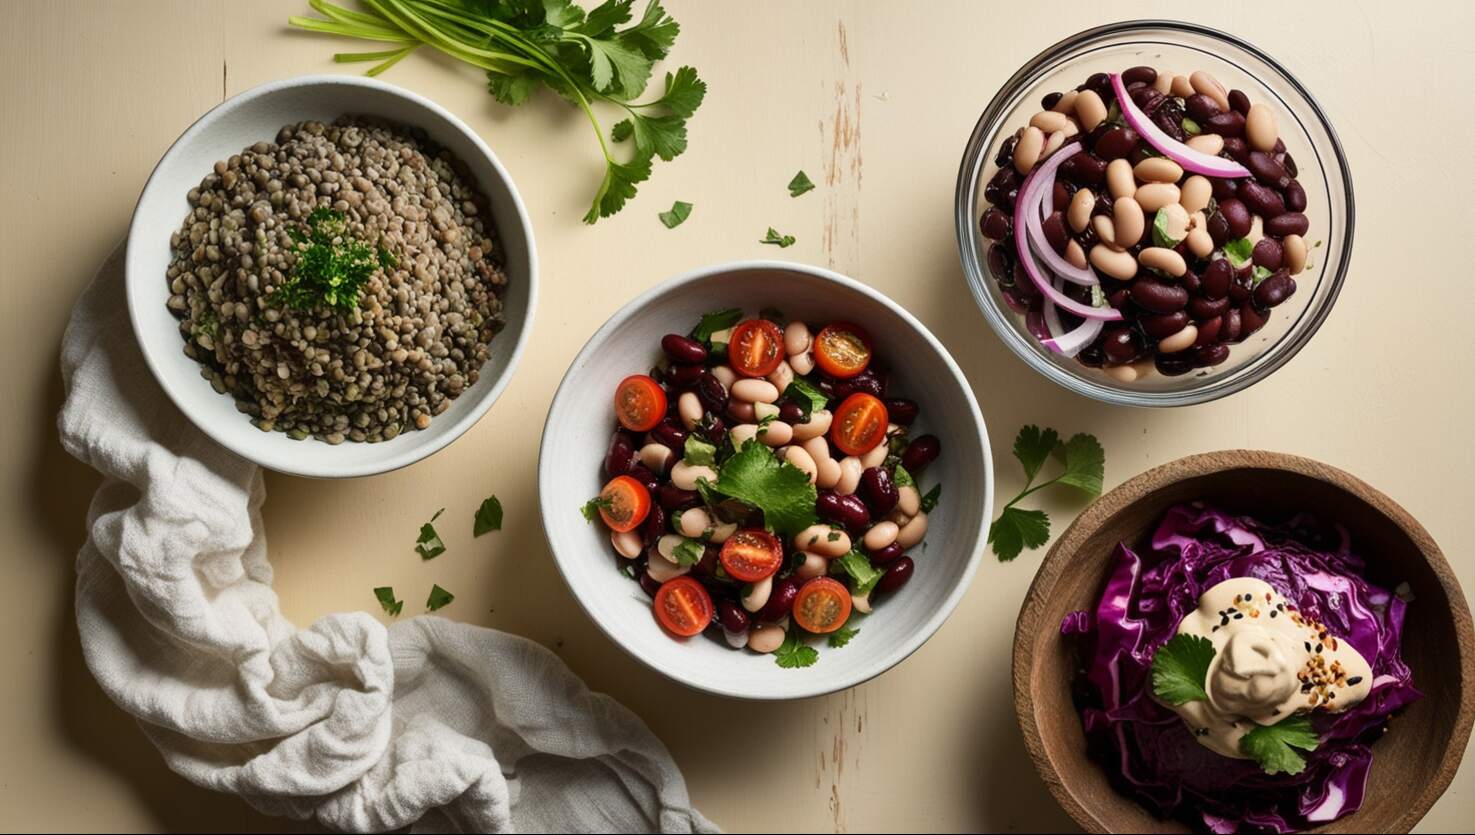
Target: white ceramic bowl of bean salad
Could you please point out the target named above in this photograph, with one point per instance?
(1197, 352)
(577, 436)
(256, 116)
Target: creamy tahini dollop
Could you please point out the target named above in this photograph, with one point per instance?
(1270, 661)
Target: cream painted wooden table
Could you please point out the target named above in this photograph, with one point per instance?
(875, 101)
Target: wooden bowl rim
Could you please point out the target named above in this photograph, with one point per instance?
(1125, 494)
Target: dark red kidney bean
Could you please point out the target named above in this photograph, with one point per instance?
(1084, 170)
(1164, 325)
(1217, 277)
(878, 491)
(1237, 213)
(1023, 285)
(670, 433)
(1001, 263)
(714, 429)
(1158, 297)
(1268, 170)
(649, 584)
(922, 451)
(621, 453)
(1092, 357)
(1078, 292)
(995, 225)
(1143, 74)
(790, 413)
(1190, 280)
(1169, 118)
(644, 476)
(1228, 123)
(1295, 197)
(1208, 355)
(881, 556)
(1148, 100)
(1005, 157)
(902, 411)
(1290, 223)
(1000, 186)
(1289, 162)
(732, 616)
(1274, 290)
(870, 381)
(1267, 253)
(1119, 297)
(1237, 149)
(1252, 320)
(1050, 100)
(708, 570)
(1232, 324)
(1218, 227)
(780, 600)
(672, 497)
(683, 349)
(1054, 229)
(1279, 147)
(1239, 102)
(1201, 108)
(849, 512)
(1060, 194)
(1208, 332)
(1262, 200)
(1223, 187)
(680, 377)
(898, 572)
(1202, 309)
(712, 393)
(654, 526)
(1244, 280)
(1174, 365)
(1116, 144)
(1121, 344)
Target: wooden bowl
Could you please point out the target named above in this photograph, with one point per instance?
(1412, 764)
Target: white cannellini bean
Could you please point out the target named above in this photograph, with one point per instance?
(656, 457)
(813, 566)
(742, 433)
(662, 571)
(823, 540)
(689, 407)
(776, 433)
(802, 363)
(725, 375)
(796, 338)
(876, 456)
(798, 457)
(765, 410)
(766, 638)
(909, 500)
(757, 594)
(754, 390)
(880, 535)
(742, 412)
(782, 376)
(666, 546)
(861, 602)
(850, 470)
(736, 640)
(817, 425)
(722, 531)
(817, 447)
(912, 532)
(1180, 341)
(828, 473)
(627, 543)
(693, 521)
(685, 475)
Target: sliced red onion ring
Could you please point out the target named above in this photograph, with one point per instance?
(1072, 342)
(1196, 161)
(1026, 203)
(1046, 190)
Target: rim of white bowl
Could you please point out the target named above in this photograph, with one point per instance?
(348, 468)
(912, 642)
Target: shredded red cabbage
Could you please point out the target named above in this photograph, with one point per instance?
(1149, 750)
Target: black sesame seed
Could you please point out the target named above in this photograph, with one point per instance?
(1308, 646)
(1239, 615)
(1318, 649)
(1273, 613)
(1354, 680)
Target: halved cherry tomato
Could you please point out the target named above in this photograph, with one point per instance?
(625, 503)
(683, 606)
(860, 424)
(822, 605)
(751, 555)
(756, 349)
(640, 403)
(842, 350)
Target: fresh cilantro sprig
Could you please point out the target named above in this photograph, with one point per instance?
(800, 184)
(391, 607)
(591, 508)
(584, 57)
(438, 598)
(331, 268)
(781, 490)
(1084, 467)
(793, 652)
(429, 544)
(488, 516)
(781, 241)
(680, 211)
(1180, 669)
(840, 637)
(1273, 747)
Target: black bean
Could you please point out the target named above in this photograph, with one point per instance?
(1290, 223)
(1236, 213)
(643, 475)
(1201, 108)
(1157, 296)
(1164, 325)
(1142, 74)
(683, 349)
(1239, 102)
(995, 225)
(1295, 197)
(1001, 186)
(922, 451)
(1050, 100)
(879, 491)
(1099, 83)
(1239, 288)
(621, 453)
(1262, 200)
(1005, 157)
(1001, 263)
(1228, 123)
(1190, 279)
(1274, 290)
(1267, 252)
(1116, 143)
(902, 411)
(898, 572)
(870, 380)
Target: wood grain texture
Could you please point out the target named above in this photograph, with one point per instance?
(94, 92)
(1412, 764)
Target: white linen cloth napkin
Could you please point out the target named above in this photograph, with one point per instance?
(433, 724)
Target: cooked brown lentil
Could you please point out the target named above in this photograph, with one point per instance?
(422, 329)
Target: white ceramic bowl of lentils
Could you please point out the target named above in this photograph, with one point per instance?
(258, 116)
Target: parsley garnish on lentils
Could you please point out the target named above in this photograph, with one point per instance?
(331, 268)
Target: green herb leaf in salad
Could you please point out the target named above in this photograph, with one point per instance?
(716, 321)
(331, 268)
(688, 552)
(1084, 467)
(793, 652)
(806, 396)
(584, 57)
(1259, 274)
(488, 516)
(391, 607)
(931, 497)
(782, 491)
(591, 508)
(863, 575)
(1191, 127)
(429, 545)
(679, 213)
(1180, 669)
(1273, 747)
(438, 599)
(698, 452)
(1160, 235)
(840, 637)
(782, 241)
(1239, 251)
(800, 184)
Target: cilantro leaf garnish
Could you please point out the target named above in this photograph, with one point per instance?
(488, 516)
(1272, 747)
(800, 184)
(688, 552)
(1180, 669)
(840, 637)
(429, 545)
(591, 508)
(679, 213)
(439, 597)
(782, 491)
(782, 241)
(719, 320)
(806, 396)
(863, 575)
(1084, 464)
(793, 652)
(391, 606)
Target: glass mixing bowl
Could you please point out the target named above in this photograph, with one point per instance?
(1182, 48)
